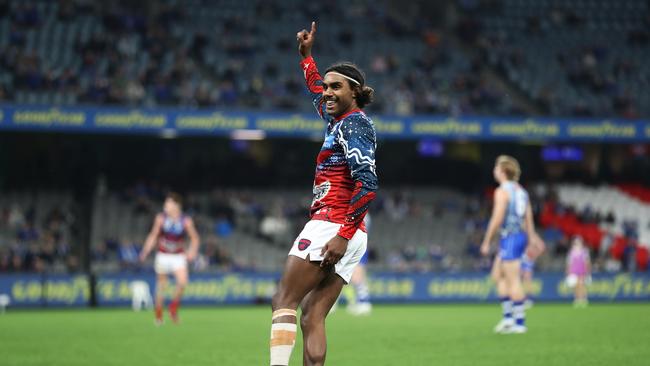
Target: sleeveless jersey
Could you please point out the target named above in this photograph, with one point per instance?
(513, 222)
(172, 235)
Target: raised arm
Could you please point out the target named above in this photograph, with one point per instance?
(498, 214)
(313, 79)
(152, 237)
(357, 136)
(194, 239)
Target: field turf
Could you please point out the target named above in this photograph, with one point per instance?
(604, 334)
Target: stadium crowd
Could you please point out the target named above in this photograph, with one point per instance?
(30, 245)
(113, 55)
(45, 245)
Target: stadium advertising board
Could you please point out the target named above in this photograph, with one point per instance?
(26, 290)
(205, 289)
(222, 123)
(251, 288)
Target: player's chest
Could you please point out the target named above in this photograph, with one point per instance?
(332, 151)
(172, 226)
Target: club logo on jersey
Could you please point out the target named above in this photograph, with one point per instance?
(321, 190)
(304, 244)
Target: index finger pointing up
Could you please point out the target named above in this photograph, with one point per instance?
(313, 28)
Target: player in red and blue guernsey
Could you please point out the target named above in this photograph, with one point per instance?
(168, 233)
(331, 244)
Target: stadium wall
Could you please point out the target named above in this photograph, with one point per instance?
(35, 290)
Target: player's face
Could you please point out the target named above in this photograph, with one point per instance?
(171, 207)
(497, 173)
(337, 95)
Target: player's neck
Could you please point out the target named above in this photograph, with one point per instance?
(347, 113)
(175, 215)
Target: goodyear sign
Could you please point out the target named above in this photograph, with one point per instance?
(423, 288)
(46, 290)
(206, 289)
(221, 123)
(251, 288)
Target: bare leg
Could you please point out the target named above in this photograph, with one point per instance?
(181, 277)
(312, 322)
(512, 270)
(181, 282)
(161, 285)
(581, 292)
(527, 282)
(299, 278)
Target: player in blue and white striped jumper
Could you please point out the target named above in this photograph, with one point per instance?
(512, 215)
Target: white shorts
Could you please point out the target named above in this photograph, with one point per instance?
(167, 263)
(317, 233)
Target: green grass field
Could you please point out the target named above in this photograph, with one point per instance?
(392, 335)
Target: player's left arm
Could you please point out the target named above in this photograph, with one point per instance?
(357, 136)
(533, 238)
(498, 215)
(194, 239)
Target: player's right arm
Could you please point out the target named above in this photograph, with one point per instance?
(313, 79)
(152, 238)
(498, 215)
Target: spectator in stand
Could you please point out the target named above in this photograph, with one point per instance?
(128, 253)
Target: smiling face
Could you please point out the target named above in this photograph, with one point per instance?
(338, 96)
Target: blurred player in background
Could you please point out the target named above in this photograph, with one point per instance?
(533, 251)
(169, 232)
(578, 271)
(512, 214)
(358, 295)
(331, 244)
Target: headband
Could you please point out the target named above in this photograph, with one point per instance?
(345, 76)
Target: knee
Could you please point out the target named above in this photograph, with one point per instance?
(284, 299)
(315, 357)
(279, 301)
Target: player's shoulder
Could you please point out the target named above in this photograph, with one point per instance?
(357, 122)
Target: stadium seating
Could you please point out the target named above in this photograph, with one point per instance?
(197, 54)
(575, 58)
(629, 224)
(606, 199)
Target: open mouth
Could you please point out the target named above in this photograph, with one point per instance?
(330, 104)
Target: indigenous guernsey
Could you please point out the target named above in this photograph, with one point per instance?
(346, 180)
(172, 235)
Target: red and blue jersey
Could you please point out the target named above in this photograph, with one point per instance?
(172, 234)
(346, 177)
